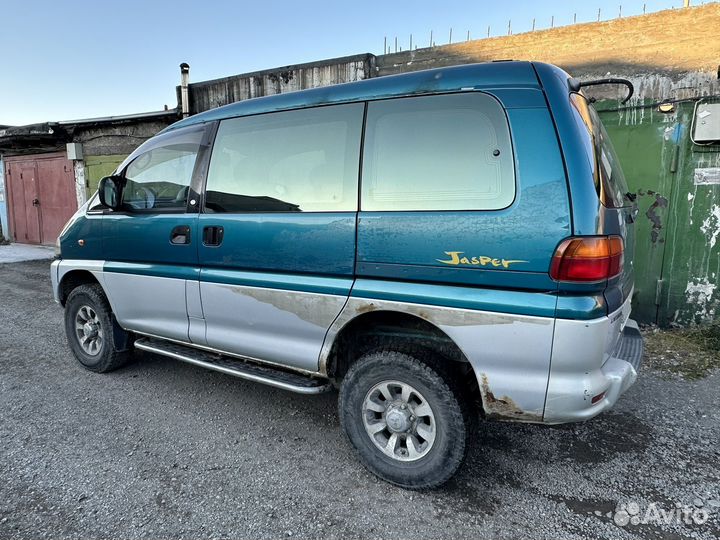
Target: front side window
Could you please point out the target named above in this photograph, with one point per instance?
(442, 152)
(295, 161)
(160, 178)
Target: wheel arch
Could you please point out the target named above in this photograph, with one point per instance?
(362, 331)
(73, 279)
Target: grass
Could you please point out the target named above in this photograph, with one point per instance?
(691, 352)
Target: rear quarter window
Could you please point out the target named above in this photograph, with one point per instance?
(612, 180)
(608, 176)
(442, 152)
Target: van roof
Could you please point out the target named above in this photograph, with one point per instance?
(505, 74)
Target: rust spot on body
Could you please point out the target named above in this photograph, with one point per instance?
(441, 316)
(365, 308)
(315, 310)
(503, 408)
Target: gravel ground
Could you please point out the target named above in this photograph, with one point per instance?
(165, 450)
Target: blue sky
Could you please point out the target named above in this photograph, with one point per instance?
(86, 58)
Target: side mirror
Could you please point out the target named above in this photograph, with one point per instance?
(110, 191)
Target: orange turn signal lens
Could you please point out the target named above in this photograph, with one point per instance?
(588, 259)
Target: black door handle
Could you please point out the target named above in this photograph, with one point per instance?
(213, 236)
(36, 202)
(180, 235)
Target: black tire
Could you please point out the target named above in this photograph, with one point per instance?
(442, 391)
(106, 358)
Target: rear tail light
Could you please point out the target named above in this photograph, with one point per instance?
(587, 258)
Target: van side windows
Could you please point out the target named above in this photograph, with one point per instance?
(442, 152)
(296, 161)
(160, 178)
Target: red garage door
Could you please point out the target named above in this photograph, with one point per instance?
(41, 196)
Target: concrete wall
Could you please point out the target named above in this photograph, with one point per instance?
(671, 54)
(210, 94)
(666, 54)
(106, 140)
(106, 146)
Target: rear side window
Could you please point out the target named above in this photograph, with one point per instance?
(614, 186)
(443, 152)
(608, 176)
(296, 161)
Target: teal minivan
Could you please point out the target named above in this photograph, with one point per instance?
(442, 246)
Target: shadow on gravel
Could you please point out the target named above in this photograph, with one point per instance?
(176, 378)
(596, 441)
(603, 438)
(502, 454)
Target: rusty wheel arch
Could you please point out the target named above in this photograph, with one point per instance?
(373, 330)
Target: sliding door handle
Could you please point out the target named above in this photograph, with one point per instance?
(213, 236)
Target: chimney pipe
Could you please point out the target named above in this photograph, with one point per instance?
(184, 81)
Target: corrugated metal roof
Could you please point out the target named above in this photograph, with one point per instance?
(119, 118)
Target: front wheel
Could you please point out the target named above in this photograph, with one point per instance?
(409, 422)
(90, 330)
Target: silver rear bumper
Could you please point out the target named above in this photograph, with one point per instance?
(593, 364)
(619, 370)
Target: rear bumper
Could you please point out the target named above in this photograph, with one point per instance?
(619, 372)
(592, 366)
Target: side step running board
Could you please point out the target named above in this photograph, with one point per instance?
(251, 371)
(631, 345)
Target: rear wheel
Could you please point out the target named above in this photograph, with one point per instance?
(407, 418)
(90, 330)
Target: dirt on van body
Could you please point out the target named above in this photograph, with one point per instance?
(161, 449)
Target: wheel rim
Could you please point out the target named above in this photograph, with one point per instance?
(399, 420)
(88, 330)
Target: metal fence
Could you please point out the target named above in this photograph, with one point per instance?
(544, 23)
